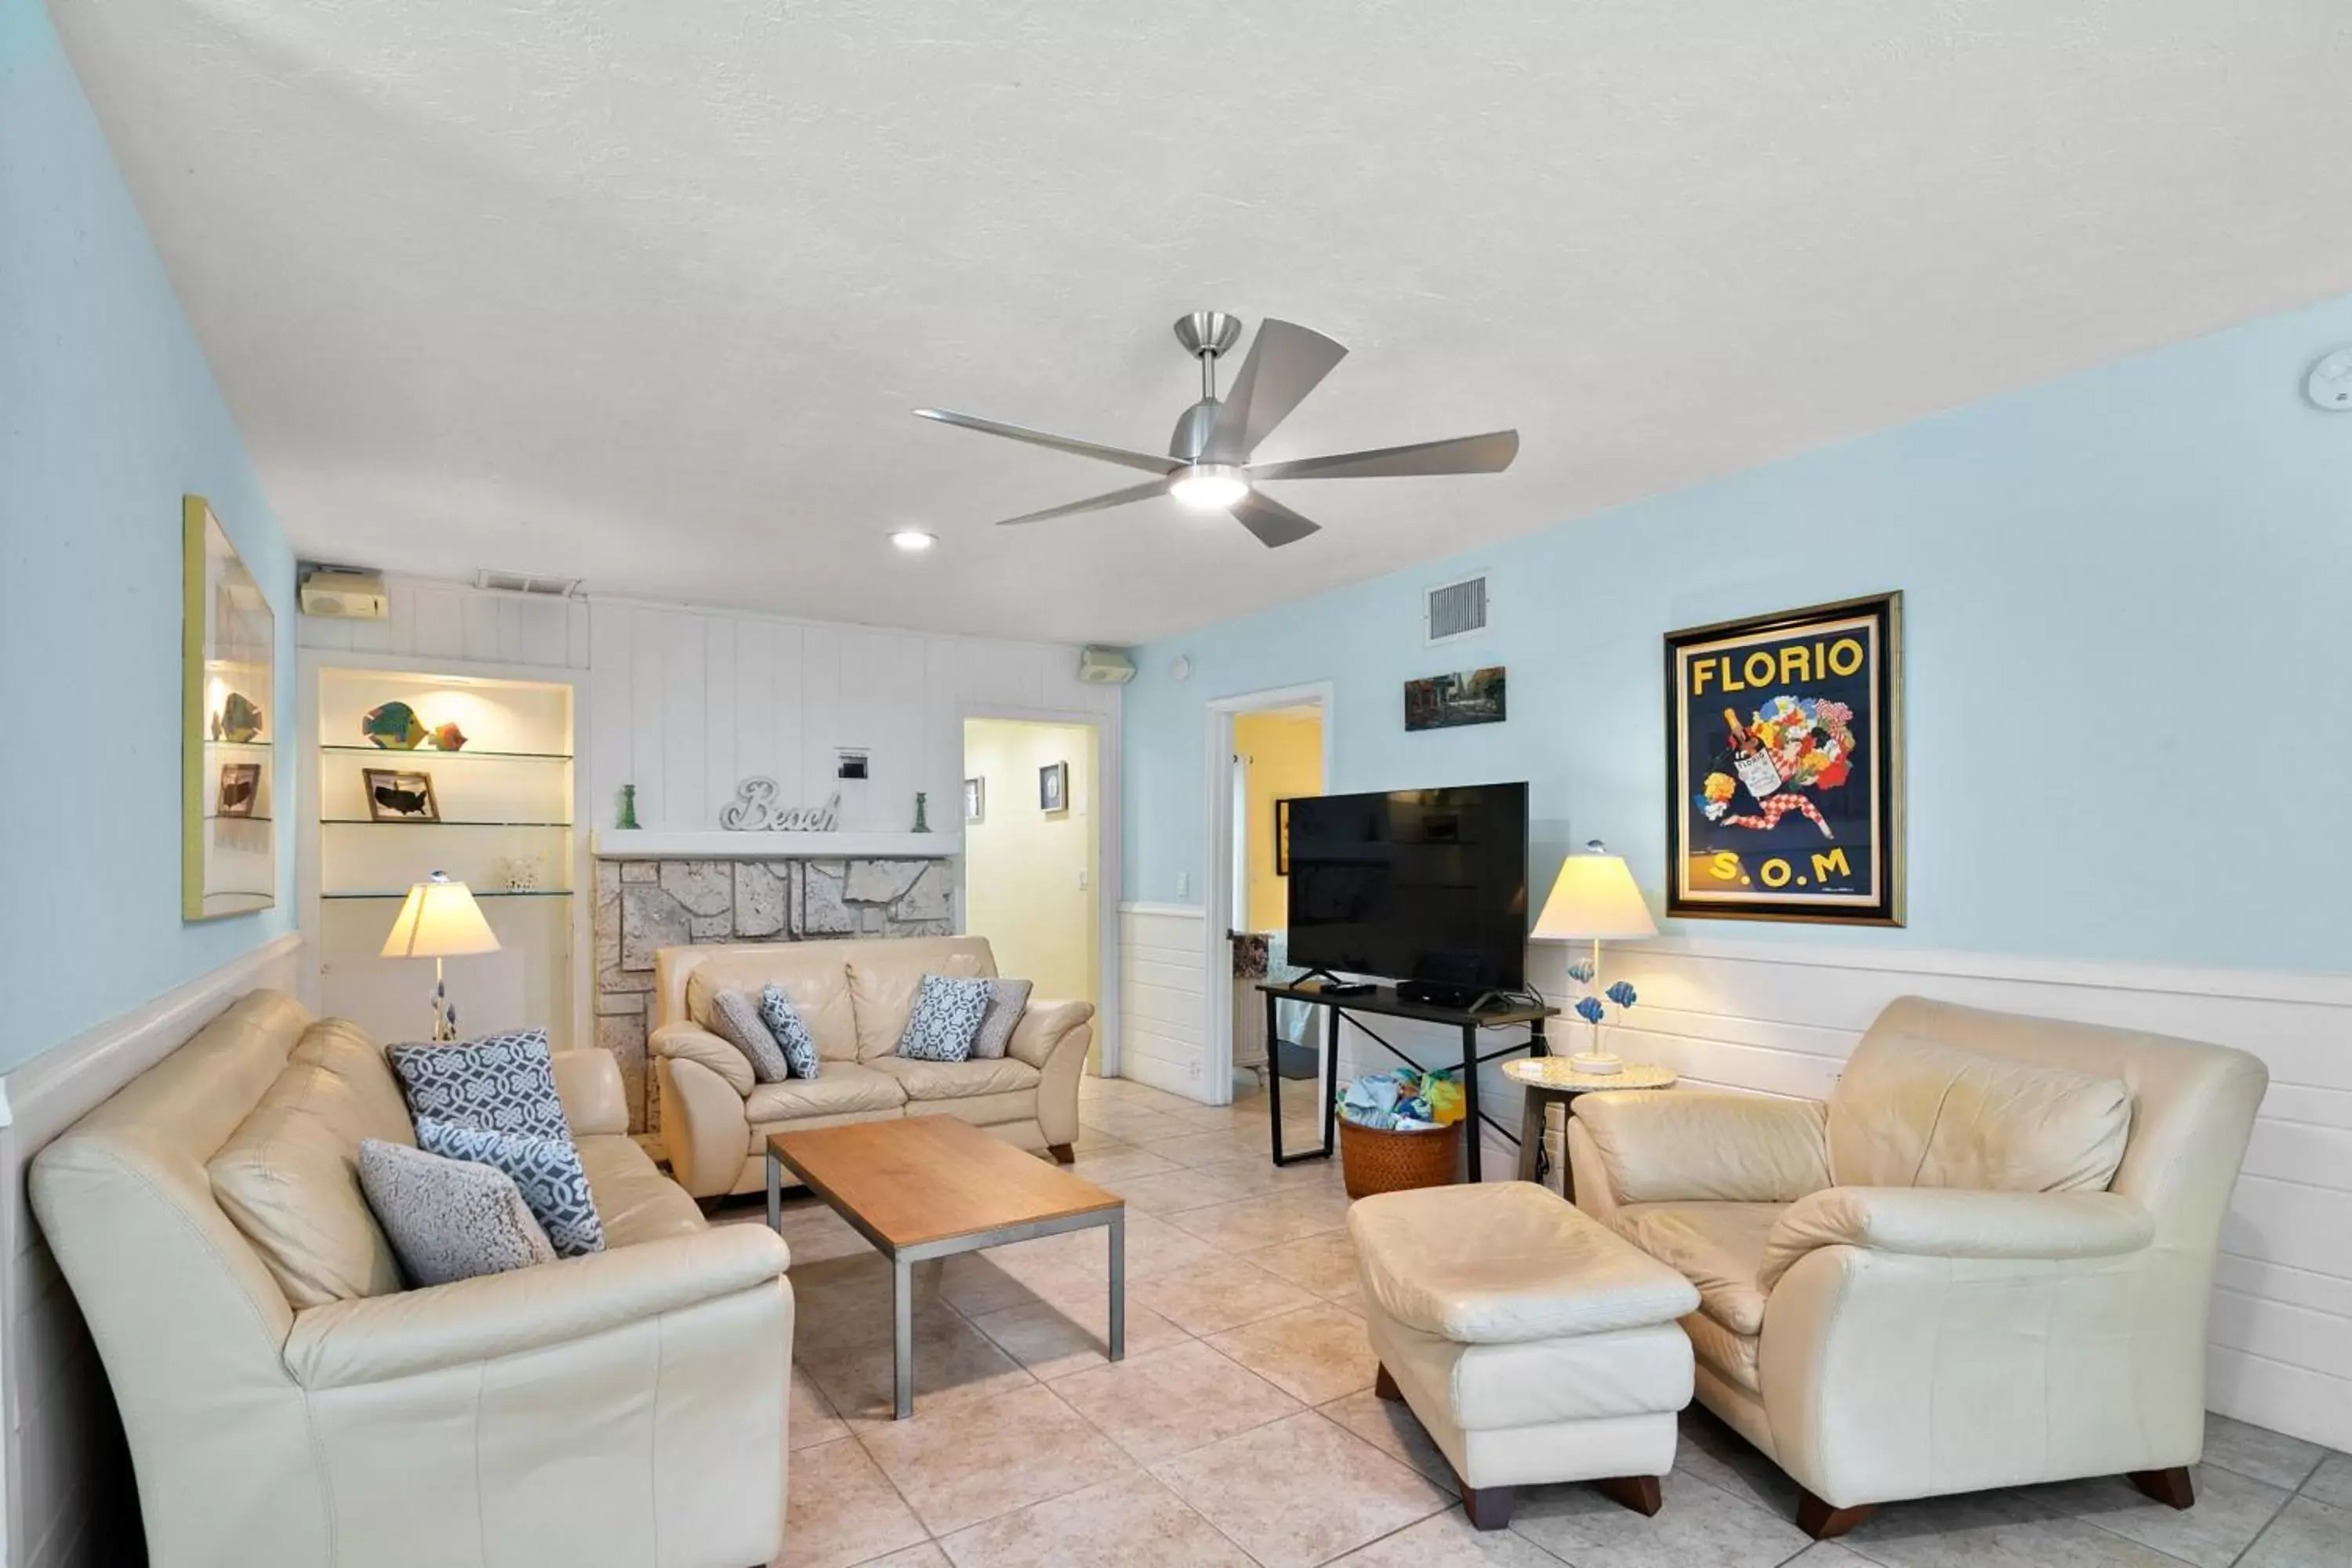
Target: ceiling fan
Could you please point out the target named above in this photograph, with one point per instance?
(1207, 467)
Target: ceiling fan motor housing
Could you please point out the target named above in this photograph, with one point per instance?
(1205, 335)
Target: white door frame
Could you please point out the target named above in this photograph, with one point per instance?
(1217, 892)
(1108, 844)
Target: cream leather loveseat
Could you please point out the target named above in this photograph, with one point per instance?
(1984, 1262)
(854, 998)
(289, 1406)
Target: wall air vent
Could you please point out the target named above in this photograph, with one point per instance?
(525, 583)
(1454, 611)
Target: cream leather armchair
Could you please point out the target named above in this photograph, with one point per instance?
(1984, 1262)
(854, 997)
(289, 1406)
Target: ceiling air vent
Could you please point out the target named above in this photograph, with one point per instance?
(524, 582)
(1453, 611)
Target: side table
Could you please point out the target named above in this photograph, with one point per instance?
(1544, 1080)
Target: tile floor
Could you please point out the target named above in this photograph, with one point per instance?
(1241, 1427)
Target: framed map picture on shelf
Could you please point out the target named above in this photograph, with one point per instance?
(1784, 766)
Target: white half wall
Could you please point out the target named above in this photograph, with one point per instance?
(1780, 1019)
(66, 1460)
(1162, 997)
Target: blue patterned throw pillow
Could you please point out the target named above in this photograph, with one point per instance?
(545, 1169)
(500, 1083)
(784, 1021)
(947, 1014)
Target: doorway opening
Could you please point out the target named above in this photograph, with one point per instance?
(1032, 855)
(1270, 747)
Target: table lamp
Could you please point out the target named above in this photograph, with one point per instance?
(1594, 898)
(440, 921)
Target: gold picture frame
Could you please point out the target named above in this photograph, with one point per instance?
(228, 665)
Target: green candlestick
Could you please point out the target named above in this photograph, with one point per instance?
(922, 824)
(628, 806)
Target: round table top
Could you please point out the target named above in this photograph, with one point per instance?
(1555, 1072)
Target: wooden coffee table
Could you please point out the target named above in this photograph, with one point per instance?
(928, 1186)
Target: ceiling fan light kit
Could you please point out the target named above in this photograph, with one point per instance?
(1208, 465)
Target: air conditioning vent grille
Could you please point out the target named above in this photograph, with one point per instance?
(1455, 610)
(524, 582)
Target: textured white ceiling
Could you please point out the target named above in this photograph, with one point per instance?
(643, 292)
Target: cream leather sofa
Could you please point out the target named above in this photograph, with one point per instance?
(854, 998)
(1881, 1324)
(625, 1408)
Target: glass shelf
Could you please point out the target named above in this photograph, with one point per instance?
(418, 822)
(421, 752)
(478, 892)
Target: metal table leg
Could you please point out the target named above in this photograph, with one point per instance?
(1119, 1286)
(902, 1337)
(1532, 1101)
(1274, 1076)
(1470, 1096)
(775, 1193)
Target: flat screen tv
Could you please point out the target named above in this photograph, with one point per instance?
(1424, 886)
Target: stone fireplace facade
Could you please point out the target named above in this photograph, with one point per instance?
(645, 905)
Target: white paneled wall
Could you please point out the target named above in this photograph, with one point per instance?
(1781, 1019)
(437, 620)
(686, 704)
(1162, 991)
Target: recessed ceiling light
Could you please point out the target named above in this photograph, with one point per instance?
(914, 541)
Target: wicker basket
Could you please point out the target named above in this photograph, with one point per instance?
(1378, 1160)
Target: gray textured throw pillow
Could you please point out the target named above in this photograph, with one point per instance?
(500, 1083)
(448, 1219)
(947, 1013)
(735, 1017)
(1007, 1000)
(784, 1021)
(546, 1170)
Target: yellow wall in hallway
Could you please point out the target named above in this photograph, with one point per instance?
(1030, 879)
(1284, 748)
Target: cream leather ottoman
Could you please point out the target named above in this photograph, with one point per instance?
(1534, 1345)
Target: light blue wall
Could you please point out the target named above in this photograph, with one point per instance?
(108, 414)
(2128, 603)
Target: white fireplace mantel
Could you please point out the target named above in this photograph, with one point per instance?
(646, 844)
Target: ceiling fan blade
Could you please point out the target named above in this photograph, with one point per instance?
(1487, 454)
(1274, 524)
(1144, 461)
(1143, 491)
(1285, 362)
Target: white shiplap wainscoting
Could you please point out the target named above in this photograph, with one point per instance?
(65, 1461)
(1162, 993)
(1780, 1018)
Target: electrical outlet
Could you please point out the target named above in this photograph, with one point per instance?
(1192, 1069)
(1081, 878)
(1183, 884)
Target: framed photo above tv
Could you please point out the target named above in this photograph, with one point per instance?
(1054, 787)
(1784, 766)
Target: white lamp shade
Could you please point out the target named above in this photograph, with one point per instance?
(1593, 898)
(440, 920)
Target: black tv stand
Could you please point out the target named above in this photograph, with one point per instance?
(1385, 1000)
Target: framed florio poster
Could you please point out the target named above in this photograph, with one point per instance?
(1784, 766)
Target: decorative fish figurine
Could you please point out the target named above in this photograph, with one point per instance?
(240, 720)
(448, 737)
(394, 726)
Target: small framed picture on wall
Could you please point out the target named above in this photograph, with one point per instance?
(1282, 838)
(975, 799)
(1054, 787)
